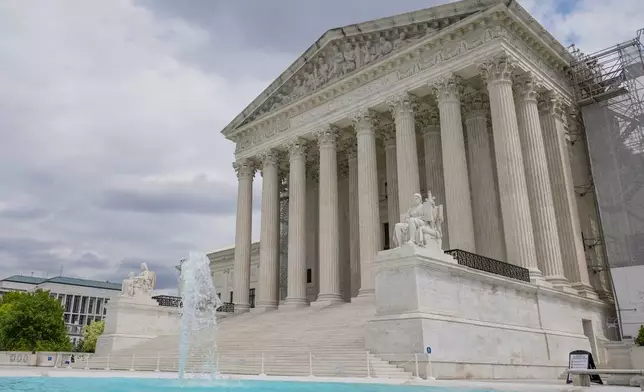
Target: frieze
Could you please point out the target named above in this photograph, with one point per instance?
(254, 136)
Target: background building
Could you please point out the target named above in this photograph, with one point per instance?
(83, 300)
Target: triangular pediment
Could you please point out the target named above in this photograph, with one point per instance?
(343, 51)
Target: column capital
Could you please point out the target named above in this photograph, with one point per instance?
(476, 105)
(350, 148)
(245, 169)
(551, 103)
(498, 68)
(448, 88)
(327, 136)
(429, 120)
(363, 120)
(314, 171)
(296, 148)
(387, 133)
(343, 169)
(402, 104)
(526, 88)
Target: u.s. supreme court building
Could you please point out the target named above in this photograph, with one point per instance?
(470, 101)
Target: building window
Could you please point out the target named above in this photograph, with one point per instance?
(251, 298)
(84, 305)
(309, 275)
(77, 300)
(386, 233)
(68, 303)
(91, 305)
(231, 297)
(219, 295)
(99, 305)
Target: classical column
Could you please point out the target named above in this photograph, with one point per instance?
(329, 237)
(488, 230)
(313, 228)
(343, 229)
(551, 115)
(296, 286)
(354, 224)
(393, 206)
(546, 239)
(457, 189)
(517, 223)
(241, 287)
(402, 110)
(268, 297)
(431, 131)
(368, 203)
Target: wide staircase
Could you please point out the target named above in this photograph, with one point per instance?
(312, 341)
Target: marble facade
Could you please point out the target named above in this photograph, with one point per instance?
(470, 101)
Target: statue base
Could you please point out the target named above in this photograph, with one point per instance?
(133, 320)
(476, 324)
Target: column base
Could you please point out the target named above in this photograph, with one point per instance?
(364, 296)
(536, 277)
(294, 303)
(242, 308)
(327, 300)
(560, 283)
(265, 307)
(584, 290)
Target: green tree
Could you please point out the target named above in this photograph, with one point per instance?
(91, 334)
(640, 336)
(32, 322)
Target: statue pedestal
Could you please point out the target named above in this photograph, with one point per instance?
(477, 324)
(133, 320)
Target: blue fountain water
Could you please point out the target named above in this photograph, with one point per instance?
(47, 384)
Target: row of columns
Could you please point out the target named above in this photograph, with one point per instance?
(530, 219)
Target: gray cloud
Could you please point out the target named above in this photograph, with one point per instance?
(110, 115)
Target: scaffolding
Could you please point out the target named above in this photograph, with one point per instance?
(609, 95)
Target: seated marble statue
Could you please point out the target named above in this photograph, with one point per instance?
(143, 283)
(421, 225)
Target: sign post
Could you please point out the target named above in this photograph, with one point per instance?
(581, 359)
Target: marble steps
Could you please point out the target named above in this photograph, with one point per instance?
(331, 337)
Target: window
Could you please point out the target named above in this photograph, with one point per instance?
(386, 233)
(84, 305)
(309, 275)
(91, 305)
(219, 295)
(231, 297)
(99, 305)
(251, 298)
(77, 300)
(68, 303)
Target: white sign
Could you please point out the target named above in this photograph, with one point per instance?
(578, 361)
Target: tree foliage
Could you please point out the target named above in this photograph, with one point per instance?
(640, 336)
(32, 322)
(91, 334)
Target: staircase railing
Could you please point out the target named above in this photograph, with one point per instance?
(321, 363)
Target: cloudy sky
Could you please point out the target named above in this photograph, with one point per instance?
(111, 111)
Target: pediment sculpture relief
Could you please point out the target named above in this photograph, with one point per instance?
(340, 58)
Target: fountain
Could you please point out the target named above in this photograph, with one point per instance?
(198, 316)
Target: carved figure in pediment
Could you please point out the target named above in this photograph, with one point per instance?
(322, 72)
(338, 62)
(384, 47)
(400, 41)
(367, 53)
(299, 89)
(310, 80)
(349, 55)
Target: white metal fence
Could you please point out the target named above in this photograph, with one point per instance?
(303, 364)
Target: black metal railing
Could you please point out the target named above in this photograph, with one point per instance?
(487, 264)
(168, 300)
(175, 302)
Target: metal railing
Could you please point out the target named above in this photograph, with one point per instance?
(487, 264)
(332, 363)
(175, 302)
